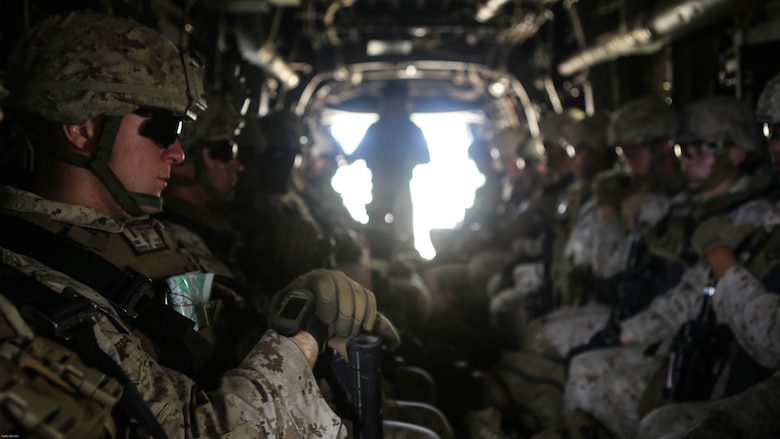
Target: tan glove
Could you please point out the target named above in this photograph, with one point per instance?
(345, 306)
(719, 231)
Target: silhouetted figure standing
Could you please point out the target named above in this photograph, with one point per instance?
(392, 147)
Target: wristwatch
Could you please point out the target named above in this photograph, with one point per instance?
(296, 313)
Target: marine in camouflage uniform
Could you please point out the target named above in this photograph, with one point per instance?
(283, 238)
(531, 236)
(643, 129)
(70, 78)
(746, 299)
(192, 216)
(533, 378)
(572, 245)
(716, 142)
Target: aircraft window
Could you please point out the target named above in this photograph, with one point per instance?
(441, 189)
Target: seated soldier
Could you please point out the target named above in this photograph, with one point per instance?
(745, 300)
(198, 187)
(569, 271)
(643, 127)
(283, 239)
(717, 147)
(80, 242)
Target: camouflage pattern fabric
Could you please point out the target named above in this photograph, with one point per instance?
(51, 78)
(665, 314)
(752, 311)
(555, 334)
(743, 302)
(609, 383)
(193, 244)
(751, 414)
(648, 117)
(768, 105)
(40, 387)
(533, 389)
(248, 402)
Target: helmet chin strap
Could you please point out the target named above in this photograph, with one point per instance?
(129, 201)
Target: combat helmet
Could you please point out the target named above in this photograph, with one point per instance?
(723, 120)
(588, 137)
(647, 118)
(768, 107)
(555, 129)
(221, 120)
(285, 137)
(75, 66)
(726, 120)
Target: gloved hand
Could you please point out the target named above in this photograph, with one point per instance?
(719, 231)
(343, 305)
(603, 338)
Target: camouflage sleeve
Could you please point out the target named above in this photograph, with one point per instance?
(582, 242)
(272, 393)
(612, 245)
(667, 312)
(752, 313)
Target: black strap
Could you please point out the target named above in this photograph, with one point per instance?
(67, 317)
(130, 292)
(126, 289)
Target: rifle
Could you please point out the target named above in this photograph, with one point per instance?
(358, 385)
(698, 354)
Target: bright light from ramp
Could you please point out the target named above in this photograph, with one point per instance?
(441, 189)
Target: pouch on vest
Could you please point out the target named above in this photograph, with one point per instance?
(46, 391)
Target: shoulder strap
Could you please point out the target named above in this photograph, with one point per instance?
(128, 290)
(125, 289)
(67, 317)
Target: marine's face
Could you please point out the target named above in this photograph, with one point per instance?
(636, 155)
(697, 159)
(141, 164)
(221, 159)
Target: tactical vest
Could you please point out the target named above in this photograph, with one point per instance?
(128, 268)
(704, 348)
(765, 265)
(671, 237)
(46, 390)
(38, 369)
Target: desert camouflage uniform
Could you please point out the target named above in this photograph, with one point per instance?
(558, 332)
(248, 402)
(752, 312)
(609, 383)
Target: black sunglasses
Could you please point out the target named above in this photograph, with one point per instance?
(224, 150)
(683, 150)
(160, 126)
(631, 149)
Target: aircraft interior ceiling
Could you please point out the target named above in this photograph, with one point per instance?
(511, 60)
